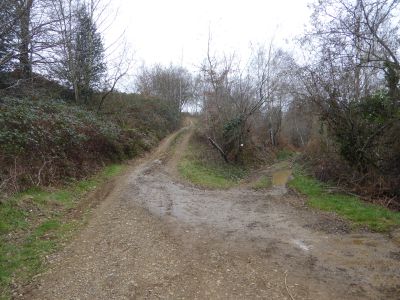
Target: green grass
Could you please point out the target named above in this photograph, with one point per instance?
(263, 182)
(375, 217)
(34, 224)
(207, 172)
(285, 154)
(210, 175)
(111, 171)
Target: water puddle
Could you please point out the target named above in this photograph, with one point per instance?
(301, 245)
(264, 222)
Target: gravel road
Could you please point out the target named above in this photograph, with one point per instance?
(156, 236)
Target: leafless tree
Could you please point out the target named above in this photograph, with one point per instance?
(79, 59)
(172, 84)
(359, 37)
(353, 78)
(239, 97)
(273, 77)
(27, 23)
(118, 68)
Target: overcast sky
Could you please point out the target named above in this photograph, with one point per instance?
(164, 31)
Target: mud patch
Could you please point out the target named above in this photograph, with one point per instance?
(330, 225)
(395, 255)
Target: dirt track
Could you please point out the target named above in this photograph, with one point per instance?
(155, 236)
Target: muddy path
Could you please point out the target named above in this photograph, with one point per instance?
(155, 236)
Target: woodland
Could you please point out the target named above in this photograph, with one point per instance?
(335, 99)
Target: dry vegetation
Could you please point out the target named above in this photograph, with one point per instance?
(62, 118)
(48, 142)
(340, 105)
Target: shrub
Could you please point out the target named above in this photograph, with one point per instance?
(45, 142)
(147, 115)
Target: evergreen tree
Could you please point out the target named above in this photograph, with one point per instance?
(7, 34)
(79, 56)
(89, 54)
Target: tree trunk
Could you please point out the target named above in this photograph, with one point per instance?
(25, 63)
(76, 92)
(216, 146)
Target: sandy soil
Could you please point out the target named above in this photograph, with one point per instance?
(155, 236)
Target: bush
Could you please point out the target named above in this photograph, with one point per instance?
(364, 153)
(147, 115)
(45, 142)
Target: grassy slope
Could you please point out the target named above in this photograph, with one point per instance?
(198, 168)
(375, 217)
(49, 142)
(264, 182)
(74, 142)
(37, 222)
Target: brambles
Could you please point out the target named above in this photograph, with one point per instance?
(48, 142)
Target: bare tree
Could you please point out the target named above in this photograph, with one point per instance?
(117, 69)
(359, 37)
(172, 84)
(238, 97)
(30, 23)
(15, 34)
(353, 78)
(273, 78)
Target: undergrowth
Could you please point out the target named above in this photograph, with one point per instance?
(37, 222)
(376, 218)
(50, 142)
(261, 183)
(201, 167)
(284, 154)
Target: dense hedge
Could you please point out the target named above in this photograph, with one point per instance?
(361, 147)
(47, 142)
(145, 114)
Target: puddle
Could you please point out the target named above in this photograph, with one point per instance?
(301, 245)
(263, 221)
(280, 178)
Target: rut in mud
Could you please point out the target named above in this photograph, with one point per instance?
(156, 236)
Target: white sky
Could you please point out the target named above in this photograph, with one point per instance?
(159, 31)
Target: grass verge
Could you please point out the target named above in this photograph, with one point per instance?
(285, 154)
(199, 167)
(264, 182)
(375, 217)
(37, 222)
